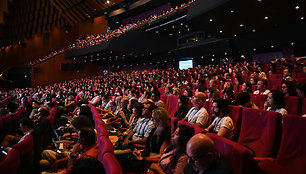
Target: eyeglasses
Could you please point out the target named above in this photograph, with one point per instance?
(284, 86)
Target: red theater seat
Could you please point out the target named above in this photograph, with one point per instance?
(208, 105)
(174, 121)
(260, 131)
(235, 112)
(292, 155)
(259, 100)
(238, 156)
(293, 104)
(111, 164)
(11, 163)
(25, 146)
(304, 107)
(172, 102)
(197, 129)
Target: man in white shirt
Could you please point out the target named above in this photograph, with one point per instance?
(198, 115)
(262, 87)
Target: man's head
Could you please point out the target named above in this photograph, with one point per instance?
(262, 85)
(148, 108)
(220, 108)
(198, 99)
(201, 152)
(26, 124)
(87, 137)
(286, 72)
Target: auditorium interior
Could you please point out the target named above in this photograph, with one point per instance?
(152, 86)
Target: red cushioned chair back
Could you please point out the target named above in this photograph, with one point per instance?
(163, 98)
(208, 106)
(304, 107)
(261, 131)
(235, 112)
(174, 121)
(172, 102)
(25, 146)
(238, 156)
(197, 129)
(11, 163)
(293, 104)
(259, 100)
(292, 152)
(111, 164)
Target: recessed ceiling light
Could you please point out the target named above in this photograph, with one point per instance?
(210, 20)
(202, 57)
(235, 35)
(259, 0)
(241, 25)
(181, 23)
(220, 31)
(225, 53)
(172, 26)
(156, 31)
(272, 46)
(292, 43)
(170, 34)
(302, 18)
(254, 49)
(232, 11)
(213, 55)
(266, 17)
(254, 31)
(107, 2)
(188, 29)
(297, 7)
(212, 59)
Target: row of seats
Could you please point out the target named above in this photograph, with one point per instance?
(5, 101)
(106, 149)
(9, 122)
(264, 139)
(293, 104)
(20, 155)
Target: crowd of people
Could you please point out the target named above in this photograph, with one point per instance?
(131, 104)
(96, 39)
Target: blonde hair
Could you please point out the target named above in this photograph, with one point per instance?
(162, 116)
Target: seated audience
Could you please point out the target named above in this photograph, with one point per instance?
(275, 102)
(222, 125)
(183, 109)
(288, 88)
(244, 100)
(228, 96)
(174, 158)
(262, 87)
(203, 157)
(156, 99)
(246, 87)
(301, 90)
(198, 115)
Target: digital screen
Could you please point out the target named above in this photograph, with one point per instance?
(185, 64)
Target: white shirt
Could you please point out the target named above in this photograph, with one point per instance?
(264, 93)
(198, 116)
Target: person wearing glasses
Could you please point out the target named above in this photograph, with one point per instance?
(262, 87)
(203, 157)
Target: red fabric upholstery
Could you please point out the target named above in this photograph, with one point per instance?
(11, 163)
(236, 88)
(304, 107)
(208, 105)
(292, 155)
(174, 121)
(105, 145)
(293, 104)
(51, 117)
(238, 156)
(25, 146)
(111, 164)
(101, 130)
(5, 101)
(259, 100)
(172, 102)
(235, 112)
(163, 98)
(197, 129)
(261, 131)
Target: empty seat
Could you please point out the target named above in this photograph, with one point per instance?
(11, 163)
(260, 131)
(172, 102)
(238, 156)
(235, 112)
(292, 155)
(293, 104)
(259, 100)
(111, 164)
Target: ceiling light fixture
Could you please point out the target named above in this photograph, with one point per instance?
(210, 20)
(266, 17)
(297, 7)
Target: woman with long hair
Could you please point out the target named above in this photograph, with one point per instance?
(275, 102)
(174, 158)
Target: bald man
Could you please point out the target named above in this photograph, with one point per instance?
(203, 157)
(198, 115)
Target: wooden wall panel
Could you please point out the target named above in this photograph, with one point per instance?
(50, 71)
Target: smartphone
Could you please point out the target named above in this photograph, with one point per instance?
(4, 152)
(58, 151)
